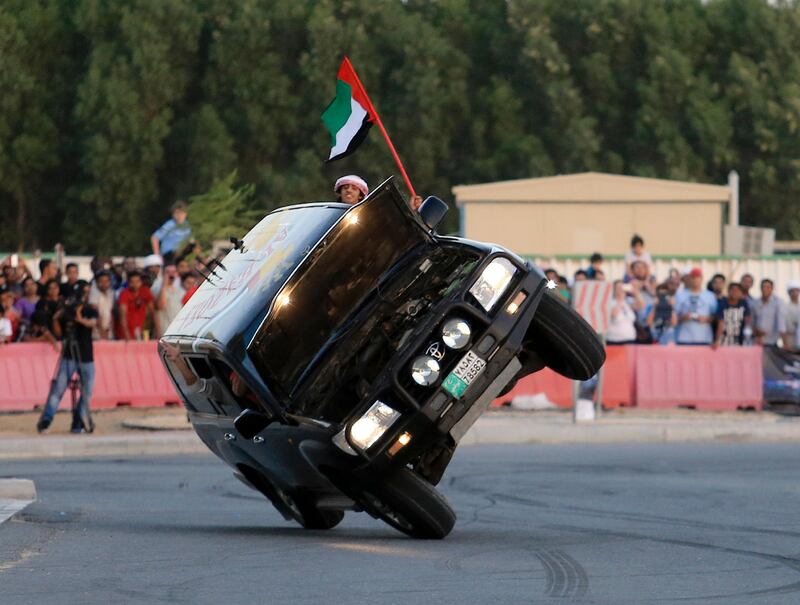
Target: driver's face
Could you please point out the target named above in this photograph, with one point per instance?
(350, 194)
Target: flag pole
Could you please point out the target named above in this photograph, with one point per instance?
(385, 134)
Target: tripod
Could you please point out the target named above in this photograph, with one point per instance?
(81, 418)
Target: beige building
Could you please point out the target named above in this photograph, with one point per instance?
(592, 211)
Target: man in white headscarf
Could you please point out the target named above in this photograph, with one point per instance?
(350, 189)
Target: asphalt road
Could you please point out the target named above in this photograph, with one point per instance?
(568, 524)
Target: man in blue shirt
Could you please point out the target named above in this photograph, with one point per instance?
(166, 239)
(695, 308)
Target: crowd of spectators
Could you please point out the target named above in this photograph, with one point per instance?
(688, 309)
(132, 302)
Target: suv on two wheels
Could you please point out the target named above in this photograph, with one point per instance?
(363, 346)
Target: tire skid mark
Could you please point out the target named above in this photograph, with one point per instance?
(792, 563)
(623, 515)
(564, 576)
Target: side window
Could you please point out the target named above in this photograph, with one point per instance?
(193, 400)
(218, 390)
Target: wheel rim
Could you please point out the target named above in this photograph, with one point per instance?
(290, 504)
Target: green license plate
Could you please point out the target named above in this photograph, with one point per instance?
(468, 369)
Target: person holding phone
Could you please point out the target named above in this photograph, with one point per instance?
(170, 297)
(622, 316)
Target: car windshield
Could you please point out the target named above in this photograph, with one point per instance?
(332, 286)
(241, 288)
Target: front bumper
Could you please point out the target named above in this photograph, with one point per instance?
(438, 416)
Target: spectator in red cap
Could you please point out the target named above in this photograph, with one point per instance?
(695, 307)
(350, 189)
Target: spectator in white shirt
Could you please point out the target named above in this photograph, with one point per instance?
(170, 297)
(101, 297)
(791, 341)
(5, 327)
(622, 316)
(769, 317)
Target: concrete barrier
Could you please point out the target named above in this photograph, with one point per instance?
(727, 378)
(654, 376)
(126, 373)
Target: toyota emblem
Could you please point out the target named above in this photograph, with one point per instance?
(436, 351)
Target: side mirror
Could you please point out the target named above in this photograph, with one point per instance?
(432, 211)
(250, 423)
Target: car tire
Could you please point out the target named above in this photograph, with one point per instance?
(303, 509)
(299, 507)
(563, 340)
(310, 517)
(410, 504)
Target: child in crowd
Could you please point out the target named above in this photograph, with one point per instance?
(637, 252)
(5, 327)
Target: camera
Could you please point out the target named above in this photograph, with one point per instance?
(69, 307)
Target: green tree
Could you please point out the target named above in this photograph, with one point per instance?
(223, 211)
(143, 56)
(33, 35)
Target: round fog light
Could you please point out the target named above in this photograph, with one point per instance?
(425, 370)
(456, 333)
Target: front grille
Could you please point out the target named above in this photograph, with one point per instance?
(419, 393)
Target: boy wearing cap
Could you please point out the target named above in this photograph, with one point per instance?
(695, 309)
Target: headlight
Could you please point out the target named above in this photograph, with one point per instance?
(369, 428)
(425, 370)
(493, 282)
(456, 333)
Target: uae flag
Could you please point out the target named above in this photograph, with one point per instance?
(348, 118)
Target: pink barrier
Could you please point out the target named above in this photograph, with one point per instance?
(618, 389)
(647, 376)
(654, 376)
(724, 379)
(619, 378)
(125, 374)
(557, 388)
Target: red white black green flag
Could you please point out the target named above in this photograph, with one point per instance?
(349, 116)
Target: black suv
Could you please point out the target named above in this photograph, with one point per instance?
(337, 356)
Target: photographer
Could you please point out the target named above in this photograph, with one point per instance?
(662, 318)
(73, 323)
